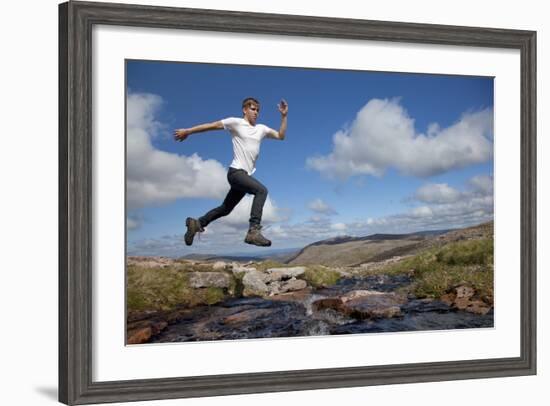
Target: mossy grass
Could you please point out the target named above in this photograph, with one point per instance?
(320, 276)
(162, 289)
(437, 270)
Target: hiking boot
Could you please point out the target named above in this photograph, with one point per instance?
(255, 237)
(193, 227)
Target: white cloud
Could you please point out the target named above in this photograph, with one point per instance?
(437, 193)
(382, 136)
(156, 177)
(473, 205)
(447, 208)
(422, 211)
(239, 217)
(338, 227)
(319, 206)
(132, 223)
(141, 109)
(482, 184)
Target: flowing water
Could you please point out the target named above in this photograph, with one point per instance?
(295, 316)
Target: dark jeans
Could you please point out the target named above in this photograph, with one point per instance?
(241, 184)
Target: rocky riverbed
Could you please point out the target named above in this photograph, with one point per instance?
(264, 302)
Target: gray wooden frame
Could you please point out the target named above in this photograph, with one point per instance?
(76, 20)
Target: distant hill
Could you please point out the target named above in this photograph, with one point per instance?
(210, 257)
(353, 251)
(279, 255)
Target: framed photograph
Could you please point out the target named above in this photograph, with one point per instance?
(259, 202)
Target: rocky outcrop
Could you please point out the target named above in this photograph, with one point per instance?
(279, 287)
(272, 282)
(364, 304)
(255, 283)
(239, 270)
(279, 274)
(464, 297)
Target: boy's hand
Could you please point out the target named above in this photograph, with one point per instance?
(283, 107)
(181, 134)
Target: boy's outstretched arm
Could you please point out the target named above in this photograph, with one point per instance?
(283, 108)
(181, 134)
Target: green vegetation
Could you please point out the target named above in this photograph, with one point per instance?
(320, 276)
(213, 295)
(437, 270)
(473, 252)
(165, 288)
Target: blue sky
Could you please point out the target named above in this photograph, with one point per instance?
(365, 152)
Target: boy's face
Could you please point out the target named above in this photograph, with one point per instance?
(251, 113)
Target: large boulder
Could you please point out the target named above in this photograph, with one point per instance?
(274, 281)
(209, 280)
(281, 274)
(254, 283)
(239, 270)
(291, 285)
(364, 304)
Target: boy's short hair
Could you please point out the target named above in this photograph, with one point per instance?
(250, 100)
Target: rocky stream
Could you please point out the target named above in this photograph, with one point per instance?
(278, 303)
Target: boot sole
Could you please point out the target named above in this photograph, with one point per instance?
(256, 244)
(188, 235)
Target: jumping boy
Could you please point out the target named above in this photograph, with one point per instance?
(246, 136)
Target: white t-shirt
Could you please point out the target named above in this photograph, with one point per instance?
(246, 142)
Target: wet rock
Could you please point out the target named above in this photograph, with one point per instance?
(364, 304)
(177, 315)
(373, 295)
(334, 303)
(139, 336)
(478, 307)
(294, 296)
(369, 304)
(279, 274)
(254, 283)
(141, 332)
(246, 316)
(426, 305)
(158, 326)
(209, 280)
(369, 311)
